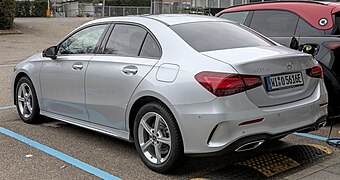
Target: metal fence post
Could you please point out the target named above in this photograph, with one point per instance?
(103, 9)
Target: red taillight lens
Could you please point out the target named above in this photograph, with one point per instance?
(251, 81)
(315, 72)
(225, 84)
(332, 45)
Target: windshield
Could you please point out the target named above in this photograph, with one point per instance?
(210, 36)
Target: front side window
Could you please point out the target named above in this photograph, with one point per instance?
(210, 36)
(83, 41)
(274, 23)
(125, 40)
(235, 16)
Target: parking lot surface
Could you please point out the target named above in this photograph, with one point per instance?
(77, 153)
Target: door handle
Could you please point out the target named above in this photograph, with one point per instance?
(130, 70)
(77, 66)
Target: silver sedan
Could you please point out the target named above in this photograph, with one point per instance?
(174, 85)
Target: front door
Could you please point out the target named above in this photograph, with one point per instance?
(62, 79)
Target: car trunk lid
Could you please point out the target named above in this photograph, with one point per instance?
(282, 70)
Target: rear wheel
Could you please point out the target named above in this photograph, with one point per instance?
(26, 101)
(157, 138)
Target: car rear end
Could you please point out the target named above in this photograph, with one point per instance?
(273, 91)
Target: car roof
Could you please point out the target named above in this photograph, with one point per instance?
(310, 11)
(167, 19)
(173, 19)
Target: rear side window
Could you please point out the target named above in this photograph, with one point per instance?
(235, 16)
(125, 40)
(304, 29)
(150, 48)
(210, 36)
(274, 23)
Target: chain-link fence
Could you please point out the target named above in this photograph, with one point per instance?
(171, 7)
(74, 9)
(120, 11)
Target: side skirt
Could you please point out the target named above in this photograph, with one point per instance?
(121, 134)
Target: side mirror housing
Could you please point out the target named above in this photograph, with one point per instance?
(50, 52)
(294, 44)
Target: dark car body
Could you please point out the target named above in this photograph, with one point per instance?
(309, 22)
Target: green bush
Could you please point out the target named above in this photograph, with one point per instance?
(131, 3)
(28, 8)
(39, 8)
(7, 13)
(22, 8)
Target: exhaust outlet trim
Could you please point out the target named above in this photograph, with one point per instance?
(249, 146)
(320, 125)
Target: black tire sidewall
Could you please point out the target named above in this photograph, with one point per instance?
(35, 112)
(176, 152)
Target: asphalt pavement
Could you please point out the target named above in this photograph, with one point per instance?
(57, 150)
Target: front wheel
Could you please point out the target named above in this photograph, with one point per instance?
(26, 101)
(157, 138)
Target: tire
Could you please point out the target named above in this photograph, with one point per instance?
(162, 145)
(26, 101)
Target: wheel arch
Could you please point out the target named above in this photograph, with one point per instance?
(139, 103)
(15, 83)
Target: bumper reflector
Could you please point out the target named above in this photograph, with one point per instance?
(251, 121)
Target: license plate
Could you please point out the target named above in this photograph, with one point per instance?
(284, 81)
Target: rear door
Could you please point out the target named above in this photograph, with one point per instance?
(112, 76)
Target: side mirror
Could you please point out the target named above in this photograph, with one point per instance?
(312, 49)
(294, 44)
(50, 52)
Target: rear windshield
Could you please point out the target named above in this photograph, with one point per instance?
(210, 36)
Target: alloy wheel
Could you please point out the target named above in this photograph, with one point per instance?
(154, 138)
(25, 100)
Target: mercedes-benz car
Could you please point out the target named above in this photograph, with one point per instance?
(174, 85)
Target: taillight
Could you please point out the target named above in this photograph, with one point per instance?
(315, 72)
(332, 45)
(225, 84)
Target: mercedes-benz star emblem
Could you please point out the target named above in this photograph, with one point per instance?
(290, 65)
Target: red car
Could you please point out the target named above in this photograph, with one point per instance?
(309, 22)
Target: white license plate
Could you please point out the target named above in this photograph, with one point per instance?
(284, 81)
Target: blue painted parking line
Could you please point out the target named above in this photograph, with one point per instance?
(7, 107)
(311, 136)
(64, 157)
(316, 137)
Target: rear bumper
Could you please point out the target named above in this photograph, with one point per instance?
(264, 137)
(215, 126)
